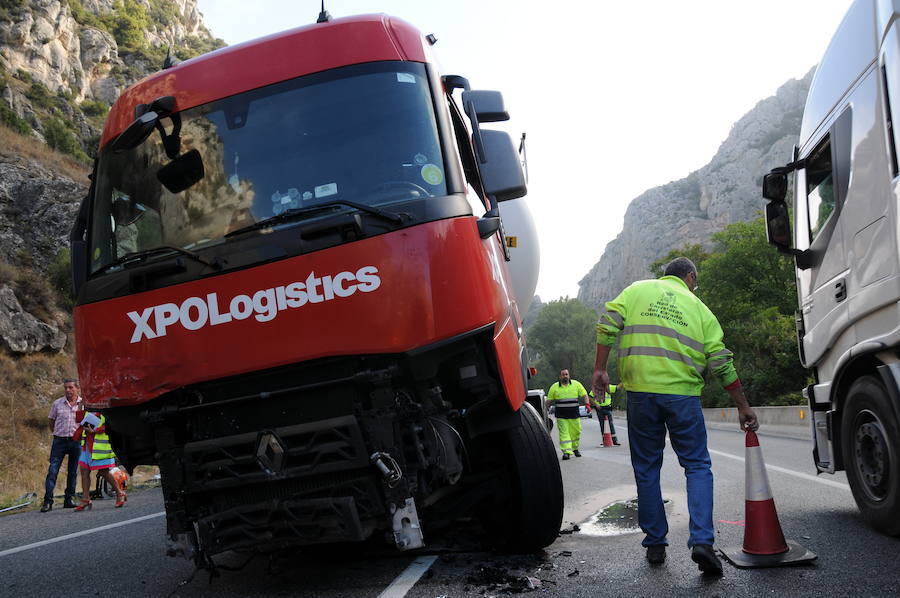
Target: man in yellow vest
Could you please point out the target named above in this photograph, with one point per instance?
(668, 339)
(566, 396)
(604, 410)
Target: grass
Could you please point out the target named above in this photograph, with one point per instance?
(30, 384)
(12, 142)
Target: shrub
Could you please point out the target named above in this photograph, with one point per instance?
(23, 75)
(94, 108)
(39, 94)
(62, 139)
(59, 136)
(13, 120)
(127, 23)
(60, 276)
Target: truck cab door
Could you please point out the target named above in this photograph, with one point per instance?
(820, 193)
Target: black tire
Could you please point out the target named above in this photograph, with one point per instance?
(870, 440)
(529, 517)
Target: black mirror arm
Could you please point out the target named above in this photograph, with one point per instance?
(171, 141)
(789, 167)
(476, 133)
(490, 222)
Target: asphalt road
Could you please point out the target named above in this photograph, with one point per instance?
(120, 552)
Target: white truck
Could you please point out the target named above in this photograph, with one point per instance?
(846, 245)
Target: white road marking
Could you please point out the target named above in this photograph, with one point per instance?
(797, 474)
(406, 580)
(79, 534)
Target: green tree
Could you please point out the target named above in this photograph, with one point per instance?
(563, 336)
(693, 252)
(750, 288)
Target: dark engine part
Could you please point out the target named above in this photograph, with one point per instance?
(322, 452)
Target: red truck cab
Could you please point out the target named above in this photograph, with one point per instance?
(293, 296)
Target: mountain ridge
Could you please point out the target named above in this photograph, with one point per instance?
(691, 209)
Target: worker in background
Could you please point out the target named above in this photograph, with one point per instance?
(669, 338)
(604, 411)
(63, 423)
(96, 455)
(566, 396)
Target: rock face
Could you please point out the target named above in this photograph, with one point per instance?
(21, 332)
(45, 40)
(68, 60)
(37, 209)
(690, 210)
(62, 63)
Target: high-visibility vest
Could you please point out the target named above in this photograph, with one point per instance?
(566, 399)
(669, 338)
(569, 394)
(102, 448)
(607, 398)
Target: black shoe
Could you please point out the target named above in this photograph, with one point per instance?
(48, 504)
(616, 442)
(706, 559)
(577, 453)
(566, 456)
(656, 554)
(69, 503)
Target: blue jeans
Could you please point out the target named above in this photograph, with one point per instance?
(649, 414)
(62, 447)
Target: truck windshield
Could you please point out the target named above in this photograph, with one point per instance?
(364, 133)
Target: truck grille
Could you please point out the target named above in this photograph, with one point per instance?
(315, 448)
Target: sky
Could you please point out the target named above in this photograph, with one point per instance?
(615, 97)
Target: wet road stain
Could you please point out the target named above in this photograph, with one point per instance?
(615, 519)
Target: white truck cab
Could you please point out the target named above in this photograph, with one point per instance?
(846, 245)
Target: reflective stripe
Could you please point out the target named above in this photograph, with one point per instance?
(717, 363)
(659, 352)
(662, 330)
(756, 480)
(615, 317)
(717, 353)
(565, 401)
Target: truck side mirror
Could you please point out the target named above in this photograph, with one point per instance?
(778, 233)
(501, 171)
(489, 107)
(775, 186)
(778, 226)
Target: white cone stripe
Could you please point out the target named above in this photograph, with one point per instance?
(756, 478)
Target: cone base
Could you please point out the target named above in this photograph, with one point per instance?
(796, 555)
(607, 440)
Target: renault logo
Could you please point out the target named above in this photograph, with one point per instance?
(270, 453)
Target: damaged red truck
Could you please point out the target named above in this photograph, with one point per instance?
(294, 296)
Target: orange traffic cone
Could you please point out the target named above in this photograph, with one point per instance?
(607, 437)
(764, 542)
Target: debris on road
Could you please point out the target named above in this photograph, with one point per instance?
(24, 501)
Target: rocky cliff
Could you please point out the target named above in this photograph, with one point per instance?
(690, 210)
(62, 63)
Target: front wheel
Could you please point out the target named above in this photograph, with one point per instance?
(528, 518)
(870, 440)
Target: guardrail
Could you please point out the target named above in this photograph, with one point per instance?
(792, 415)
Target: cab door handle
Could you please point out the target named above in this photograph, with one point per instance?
(840, 290)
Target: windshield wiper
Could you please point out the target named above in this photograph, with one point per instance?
(300, 213)
(139, 256)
